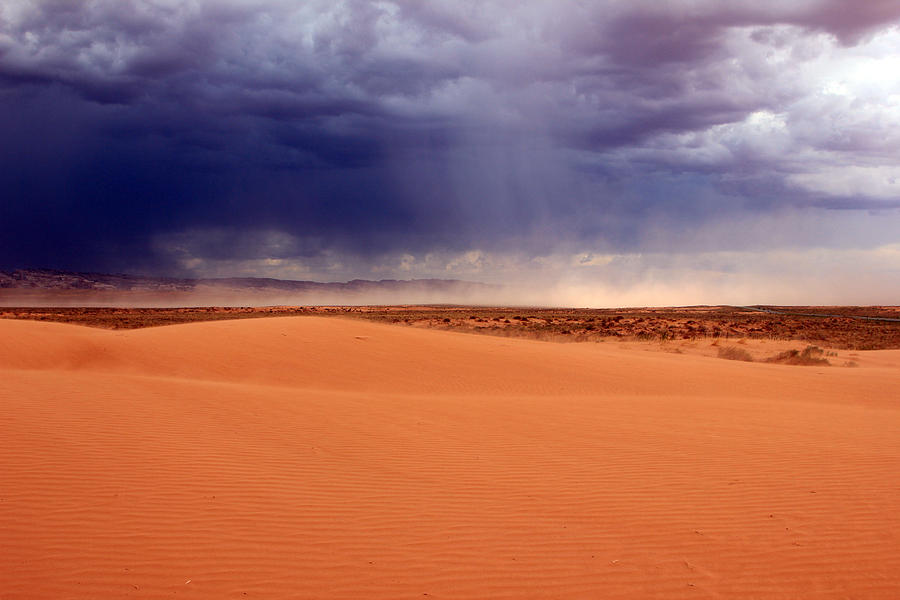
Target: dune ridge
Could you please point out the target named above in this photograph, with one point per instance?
(323, 458)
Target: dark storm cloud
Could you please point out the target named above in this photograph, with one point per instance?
(142, 135)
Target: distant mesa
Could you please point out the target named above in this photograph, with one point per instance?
(48, 287)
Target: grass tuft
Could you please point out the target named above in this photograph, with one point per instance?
(735, 353)
(811, 356)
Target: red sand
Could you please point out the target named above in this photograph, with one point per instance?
(322, 458)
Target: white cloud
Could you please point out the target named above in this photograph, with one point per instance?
(881, 182)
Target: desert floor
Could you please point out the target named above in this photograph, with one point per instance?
(313, 457)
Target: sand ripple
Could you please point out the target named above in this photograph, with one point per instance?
(289, 458)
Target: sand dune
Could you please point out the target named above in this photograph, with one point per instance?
(323, 458)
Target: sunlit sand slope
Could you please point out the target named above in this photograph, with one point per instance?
(323, 458)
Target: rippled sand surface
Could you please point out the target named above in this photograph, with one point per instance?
(324, 458)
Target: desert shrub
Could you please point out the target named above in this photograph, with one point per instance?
(809, 357)
(735, 353)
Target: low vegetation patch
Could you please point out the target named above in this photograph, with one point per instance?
(735, 353)
(811, 356)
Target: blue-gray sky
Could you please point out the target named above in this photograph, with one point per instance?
(607, 152)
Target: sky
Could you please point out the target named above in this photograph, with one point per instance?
(590, 153)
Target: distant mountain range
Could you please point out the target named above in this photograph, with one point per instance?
(46, 287)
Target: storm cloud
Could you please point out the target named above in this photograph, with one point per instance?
(487, 140)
